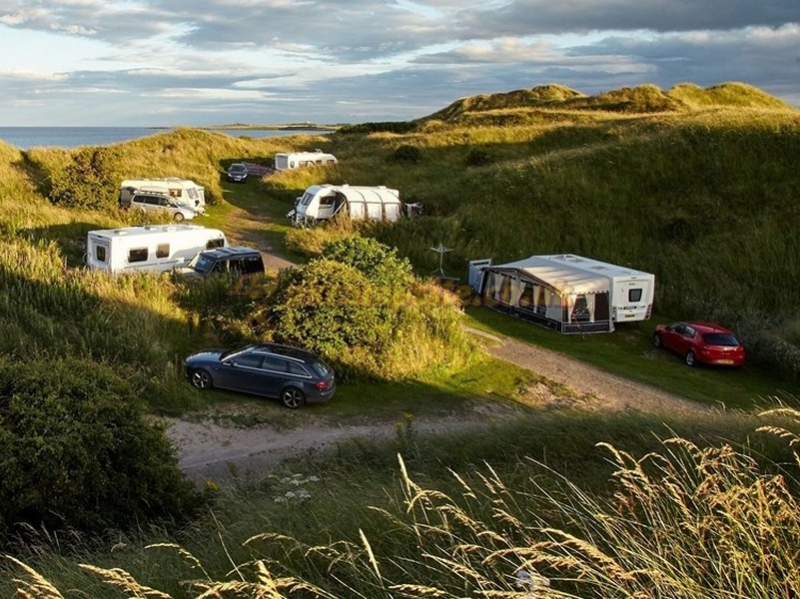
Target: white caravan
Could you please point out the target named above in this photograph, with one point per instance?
(182, 191)
(632, 290)
(289, 161)
(323, 202)
(157, 248)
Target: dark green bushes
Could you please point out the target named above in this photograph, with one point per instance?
(76, 452)
(91, 180)
(359, 306)
(406, 153)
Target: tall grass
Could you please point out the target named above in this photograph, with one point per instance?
(675, 517)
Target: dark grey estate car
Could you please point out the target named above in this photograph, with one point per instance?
(237, 173)
(293, 375)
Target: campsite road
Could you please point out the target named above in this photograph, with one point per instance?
(211, 450)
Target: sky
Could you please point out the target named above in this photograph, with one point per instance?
(155, 63)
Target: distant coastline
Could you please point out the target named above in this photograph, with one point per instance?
(250, 127)
(26, 138)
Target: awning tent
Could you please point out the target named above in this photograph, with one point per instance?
(554, 294)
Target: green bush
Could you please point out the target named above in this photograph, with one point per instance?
(327, 307)
(406, 153)
(378, 262)
(478, 157)
(76, 452)
(89, 181)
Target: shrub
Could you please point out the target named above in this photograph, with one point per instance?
(406, 153)
(89, 181)
(76, 452)
(478, 157)
(378, 262)
(327, 307)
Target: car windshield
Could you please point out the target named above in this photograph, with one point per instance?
(202, 263)
(238, 168)
(232, 352)
(725, 339)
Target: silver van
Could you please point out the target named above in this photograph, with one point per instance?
(158, 203)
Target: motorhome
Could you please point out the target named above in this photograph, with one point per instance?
(323, 202)
(157, 248)
(182, 191)
(289, 161)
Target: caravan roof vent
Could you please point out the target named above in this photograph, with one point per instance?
(120, 232)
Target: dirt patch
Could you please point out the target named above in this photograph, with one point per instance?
(245, 228)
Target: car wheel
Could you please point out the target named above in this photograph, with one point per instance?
(691, 359)
(657, 340)
(177, 217)
(201, 379)
(292, 398)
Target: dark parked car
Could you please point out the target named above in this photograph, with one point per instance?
(701, 342)
(237, 173)
(237, 260)
(293, 375)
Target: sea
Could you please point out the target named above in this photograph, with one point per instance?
(25, 138)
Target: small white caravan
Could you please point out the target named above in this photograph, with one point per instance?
(289, 161)
(157, 248)
(323, 202)
(183, 191)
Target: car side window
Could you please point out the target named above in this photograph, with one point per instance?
(295, 368)
(689, 331)
(274, 364)
(251, 360)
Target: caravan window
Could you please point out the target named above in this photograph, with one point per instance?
(634, 295)
(307, 197)
(162, 250)
(100, 253)
(327, 200)
(137, 255)
(215, 243)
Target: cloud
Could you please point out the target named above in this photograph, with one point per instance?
(278, 60)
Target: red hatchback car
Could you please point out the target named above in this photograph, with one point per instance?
(701, 342)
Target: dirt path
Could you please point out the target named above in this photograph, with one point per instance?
(209, 449)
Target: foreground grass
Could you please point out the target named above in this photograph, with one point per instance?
(466, 511)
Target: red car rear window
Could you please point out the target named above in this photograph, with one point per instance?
(720, 339)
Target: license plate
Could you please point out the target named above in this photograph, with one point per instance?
(630, 316)
(724, 361)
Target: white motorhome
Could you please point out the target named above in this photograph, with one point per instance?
(288, 161)
(323, 202)
(565, 292)
(182, 191)
(157, 248)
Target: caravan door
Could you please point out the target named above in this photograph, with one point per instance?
(325, 206)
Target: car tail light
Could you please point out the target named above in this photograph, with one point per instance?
(323, 385)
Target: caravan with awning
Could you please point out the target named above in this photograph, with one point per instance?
(565, 292)
(323, 202)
